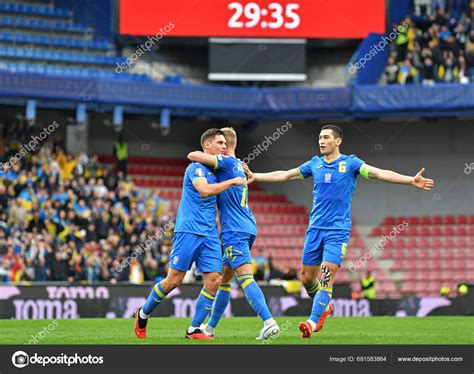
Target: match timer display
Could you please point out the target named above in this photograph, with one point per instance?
(273, 16)
(323, 19)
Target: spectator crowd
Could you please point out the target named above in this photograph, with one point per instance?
(69, 218)
(437, 46)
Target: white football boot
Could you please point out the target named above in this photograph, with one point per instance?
(268, 331)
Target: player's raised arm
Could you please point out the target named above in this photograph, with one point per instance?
(203, 158)
(392, 177)
(205, 189)
(272, 177)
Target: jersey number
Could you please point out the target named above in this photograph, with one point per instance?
(244, 202)
(344, 249)
(342, 167)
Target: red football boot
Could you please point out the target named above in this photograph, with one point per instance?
(140, 332)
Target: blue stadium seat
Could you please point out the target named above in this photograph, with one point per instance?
(59, 56)
(70, 71)
(55, 41)
(32, 9)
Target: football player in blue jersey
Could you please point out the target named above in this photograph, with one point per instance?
(238, 233)
(327, 237)
(196, 239)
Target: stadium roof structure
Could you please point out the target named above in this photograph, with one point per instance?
(219, 101)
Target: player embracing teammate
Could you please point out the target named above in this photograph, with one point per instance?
(196, 239)
(238, 233)
(217, 172)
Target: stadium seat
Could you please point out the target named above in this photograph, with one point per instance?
(436, 231)
(408, 287)
(34, 10)
(423, 255)
(389, 221)
(425, 220)
(433, 288)
(437, 220)
(400, 220)
(424, 231)
(400, 244)
(410, 231)
(424, 243)
(413, 221)
(58, 56)
(448, 231)
(67, 71)
(389, 287)
(461, 220)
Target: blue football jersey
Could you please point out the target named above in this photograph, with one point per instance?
(196, 214)
(334, 185)
(234, 212)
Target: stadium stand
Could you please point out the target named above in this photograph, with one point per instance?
(42, 39)
(57, 227)
(435, 251)
(31, 9)
(7, 22)
(436, 47)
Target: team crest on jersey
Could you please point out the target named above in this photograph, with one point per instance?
(199, 172)
(327, 178)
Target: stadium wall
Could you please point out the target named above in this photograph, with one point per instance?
(62, 301)
(443, 147)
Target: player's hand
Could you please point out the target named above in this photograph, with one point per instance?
(250, 176)
(246, 168)
(421, 182)
(239, 182)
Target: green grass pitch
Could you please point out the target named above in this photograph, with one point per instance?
(243, 330)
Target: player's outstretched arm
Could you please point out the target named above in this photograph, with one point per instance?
(392, 177)
(272, 177)
(205, 189)
(203, 158)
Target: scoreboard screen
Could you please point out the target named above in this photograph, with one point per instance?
(245, 59)
(334, 19)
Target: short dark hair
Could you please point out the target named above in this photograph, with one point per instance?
(336, 130)
(210, 134)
